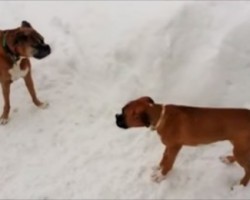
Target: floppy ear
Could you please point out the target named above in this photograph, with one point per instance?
(147, 99)
(145, 119)
(26, 24)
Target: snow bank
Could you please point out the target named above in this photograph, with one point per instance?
(104, 54)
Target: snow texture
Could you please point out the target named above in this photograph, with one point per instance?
(106, 53)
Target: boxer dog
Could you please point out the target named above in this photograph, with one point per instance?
(17, 46)
(179, 125)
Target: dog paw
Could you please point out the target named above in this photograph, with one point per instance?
(44, 105)
(236, 186)
(227, 159)
(3, 121)
(157, 176)
(156, 168)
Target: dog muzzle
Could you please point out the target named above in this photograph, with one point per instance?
(41, 51)
(120, 121)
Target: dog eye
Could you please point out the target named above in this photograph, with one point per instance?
(23, 38)
(42, 41)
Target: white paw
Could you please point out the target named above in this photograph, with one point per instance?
(225, 160)
(44, 105)
(156, 168)
(236, 186)
(3, 121)
(157, 176)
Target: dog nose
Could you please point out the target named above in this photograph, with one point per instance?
(42, 51)
(47, 49)
(120, 122)
(119, 118)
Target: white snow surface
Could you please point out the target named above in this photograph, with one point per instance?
(106, 53)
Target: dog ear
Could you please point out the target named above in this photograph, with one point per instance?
(145, 119)
(26, 24)
(147, 99)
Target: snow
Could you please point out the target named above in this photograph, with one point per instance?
(106, 53)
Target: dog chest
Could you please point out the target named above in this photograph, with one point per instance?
(17, 72)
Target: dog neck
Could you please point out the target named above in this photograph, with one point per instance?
(13, 56)
(157, 114)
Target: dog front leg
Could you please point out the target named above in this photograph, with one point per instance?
(30, 86)
(159, 167)
(164, 157)
(6, 97)
(166, 163)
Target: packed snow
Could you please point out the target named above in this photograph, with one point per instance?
(106, 53)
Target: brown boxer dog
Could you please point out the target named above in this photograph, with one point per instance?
(17, 46)
(179, 125)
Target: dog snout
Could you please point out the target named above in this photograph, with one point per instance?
(120, 122)
(119, 119)
(47, 49)
(42, 51)
(117, 116)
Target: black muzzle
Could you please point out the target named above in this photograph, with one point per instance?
(42, 51)
(120, 121)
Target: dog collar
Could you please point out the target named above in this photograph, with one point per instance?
(6, 48)
(159, 122)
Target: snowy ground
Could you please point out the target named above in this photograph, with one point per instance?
(105, 54)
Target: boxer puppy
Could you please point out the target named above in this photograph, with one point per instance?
(16, 47)
(179, 125)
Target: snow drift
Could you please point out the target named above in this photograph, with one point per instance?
(105, 54)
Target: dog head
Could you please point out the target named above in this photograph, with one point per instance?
(134, 114)
(27, 42)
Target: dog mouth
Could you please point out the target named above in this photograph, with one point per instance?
(41, 51)
(120, 121)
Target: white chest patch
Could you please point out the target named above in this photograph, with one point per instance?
(16, 72)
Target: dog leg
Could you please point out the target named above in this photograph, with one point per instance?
(164, 157)
(30, 86)
(244, 181)
(242, 156)
(227, 159)
(6, 97)
(159, 167)
(166, 163)
(156, 174)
